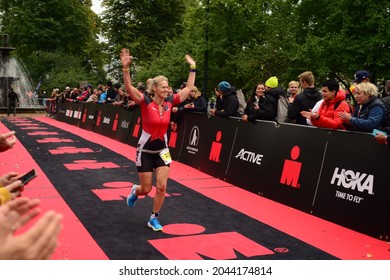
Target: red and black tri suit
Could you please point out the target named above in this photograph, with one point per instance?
(154, 137)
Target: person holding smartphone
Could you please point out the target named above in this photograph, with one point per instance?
(382, 138)
(11, 184)
(10, 187)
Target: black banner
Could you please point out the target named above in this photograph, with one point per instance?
(294, 169)
(88, 116)
(208, 143)
(99, 116)
(110, 120)
(251, 156)
(125, 121)
(70, 112)
(135, 128)
(354, 189)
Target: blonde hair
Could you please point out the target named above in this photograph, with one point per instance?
(307, 77)
(293, 83)
(156, 80)
(149, 85)
(369, 88)
(197, 92)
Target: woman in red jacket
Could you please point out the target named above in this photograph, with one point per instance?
(328, 113)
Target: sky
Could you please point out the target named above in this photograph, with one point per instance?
(96, 7)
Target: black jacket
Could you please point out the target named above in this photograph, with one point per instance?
(13, 97)
(227, 106)
(268, 106)
(303, 102)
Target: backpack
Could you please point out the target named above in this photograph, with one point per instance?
(282, 109)
(241, 102)
(336, 105)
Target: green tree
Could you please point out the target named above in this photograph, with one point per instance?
(62, 71)
(338, 37)
(38, 28)
(143, 26)
(242, 42)
(248, 41)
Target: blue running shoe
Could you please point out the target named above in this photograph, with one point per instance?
(155, 225)
(132, 198)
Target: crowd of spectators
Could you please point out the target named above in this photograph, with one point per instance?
(359, 107)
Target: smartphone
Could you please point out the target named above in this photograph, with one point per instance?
(375, 132)
(28, 177)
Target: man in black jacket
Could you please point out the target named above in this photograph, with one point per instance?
(227, 102)
(305, 100)
(13, 99)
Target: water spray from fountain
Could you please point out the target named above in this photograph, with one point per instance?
(14, 74)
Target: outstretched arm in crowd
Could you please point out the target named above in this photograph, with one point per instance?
(135, 95)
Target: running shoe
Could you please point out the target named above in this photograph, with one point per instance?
(132, 198)
(155, 225)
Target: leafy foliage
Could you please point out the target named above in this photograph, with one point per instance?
(242, 42)
(39, 28)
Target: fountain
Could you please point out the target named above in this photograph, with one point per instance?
(12, 73)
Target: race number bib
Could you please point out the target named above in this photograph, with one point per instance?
(166, 156)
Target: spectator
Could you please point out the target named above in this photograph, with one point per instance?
(94, 97)
(74, 94)
(263, 103)
(292, 91)
(51, 103)
(362, 76)
(195, 102)
(227, 102)
(314, 110)
(7, 141)
(111, 93)
(272, 93)
(36, 243)
(305, 100)
(86, 93)
(13, 101)
(10, 188)
(328, 112)
(253, 103)
(102, 96)
(66, 94)
(121, 98)
(369, 112)
(284, 100)
(387, 88)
